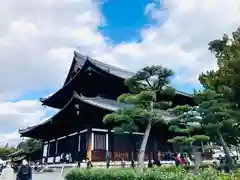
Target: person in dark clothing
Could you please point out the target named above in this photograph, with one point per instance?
(24, 172)
(157, 162)
(1, 168)
(79, 164)
(108, 161)
(133, 164)
(150, 164)
(89, 163)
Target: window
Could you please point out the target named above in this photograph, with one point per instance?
(99, 142)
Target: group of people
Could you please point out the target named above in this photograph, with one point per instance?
(24, 171)
(180, 160)
(66, 158)
(85, 163)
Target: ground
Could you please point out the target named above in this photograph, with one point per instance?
(9, 175)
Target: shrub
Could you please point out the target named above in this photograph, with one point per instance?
(147, 174)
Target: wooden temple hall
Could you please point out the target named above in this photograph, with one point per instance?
(90, 91)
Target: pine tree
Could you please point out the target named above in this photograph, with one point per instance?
(221, 100)
(218, 120)
(186, 125)
(150, 94)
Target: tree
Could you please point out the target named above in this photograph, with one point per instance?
(4, 152)
(218, 120)
(186, 125)
(149, 95)
(221, 104)
(30, 145)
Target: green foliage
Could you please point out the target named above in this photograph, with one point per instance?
(225, 81)
(147, 86)
(163, 173)
(30, 145)
(218, 116)
(220, 100)
(186, 124)
(5, 151)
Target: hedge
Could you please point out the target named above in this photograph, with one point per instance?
(148, 174)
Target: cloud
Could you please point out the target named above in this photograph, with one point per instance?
(181, 42)
(14, 115)
(13, 139)
(37, 39)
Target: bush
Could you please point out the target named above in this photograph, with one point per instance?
(148, 174)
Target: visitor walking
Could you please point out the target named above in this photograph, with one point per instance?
(178, 160)
(108, 161)
(187, 160)
(89, 163)
(122, 163)
(1, 168)
(24, 172)
(150, 163)
(133, 164)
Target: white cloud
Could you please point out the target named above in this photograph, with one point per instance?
(14, 115)
(13, 139)
(37, 39)
(182, 41)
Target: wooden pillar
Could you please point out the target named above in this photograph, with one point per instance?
(42, 151)
(130, 148)
(90, 143)
(112, 145)
(48, 149)
(56, 151)
(107, 144)
(155, 149)
(79, 141)
(79, 146)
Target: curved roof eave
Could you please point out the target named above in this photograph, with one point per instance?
(113, 105)
(44, 100)
(103, 103)
(109, 69)
(112, 70)
(28, 129)
(100, 102)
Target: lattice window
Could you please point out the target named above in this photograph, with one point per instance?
(99, 141)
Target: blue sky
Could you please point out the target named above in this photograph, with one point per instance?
(124, 20)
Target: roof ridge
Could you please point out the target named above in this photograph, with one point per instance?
(102, 63)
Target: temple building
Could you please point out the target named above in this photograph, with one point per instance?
(90, 91)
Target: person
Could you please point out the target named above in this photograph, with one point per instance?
(122, 163)
(156, 162)
(61, 158)
(78, 164)
(178, 160)
(89, 163)
(67, 158)
(150, 164)
(187, 160)
(1, 168)
(24, 172)
(221, 163)
(132, 163)
(108, 161)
